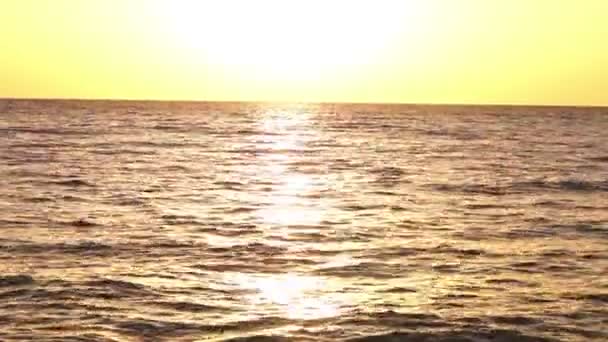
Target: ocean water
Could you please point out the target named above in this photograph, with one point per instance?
(151, 221)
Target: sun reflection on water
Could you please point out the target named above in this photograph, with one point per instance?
(294, 296)
(288, 209)
(287, 133)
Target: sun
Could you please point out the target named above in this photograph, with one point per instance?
(303, 41)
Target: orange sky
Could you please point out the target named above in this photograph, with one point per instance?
(423, 51)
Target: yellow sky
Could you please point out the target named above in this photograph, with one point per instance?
(423, 51)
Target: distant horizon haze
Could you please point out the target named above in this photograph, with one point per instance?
(271, 102)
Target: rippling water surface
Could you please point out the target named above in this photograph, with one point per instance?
(126, 221)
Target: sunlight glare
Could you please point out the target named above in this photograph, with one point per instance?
(286, 132)
(286, 40)
(298, 296)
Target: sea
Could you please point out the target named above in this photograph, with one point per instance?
(201, 221)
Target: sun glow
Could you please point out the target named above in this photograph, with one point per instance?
(302, 41)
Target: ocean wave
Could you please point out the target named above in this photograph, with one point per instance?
(254, 248)
(376, 270)
(456, 335)
(72, 183)
(16, 280)
(190, 307)
(161, 329)
(592, 297)
(83, 247)
(265, 338)
(119, 286)
(83, 223)
(545, 228)
(170, 329)
(50, 131)
(117, 152)
(525, 187)
(602, 159)
(64, 292)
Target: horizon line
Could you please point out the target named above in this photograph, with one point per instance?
(303, 102)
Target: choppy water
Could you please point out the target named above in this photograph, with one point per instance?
(193, 221)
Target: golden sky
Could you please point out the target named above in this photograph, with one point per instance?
(422, 51)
